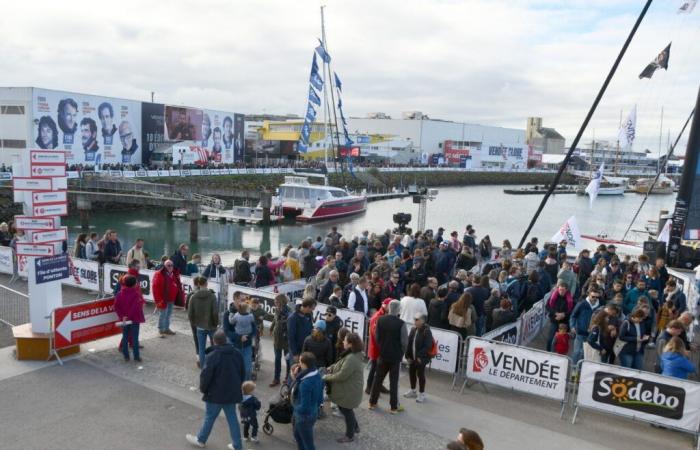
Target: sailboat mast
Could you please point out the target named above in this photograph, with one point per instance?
(327, 67)
(325, 96)
(661, 137)
(617, 151)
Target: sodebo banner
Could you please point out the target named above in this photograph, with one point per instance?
(641, 395)
(518, 368)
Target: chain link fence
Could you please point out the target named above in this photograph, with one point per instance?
(14, 306)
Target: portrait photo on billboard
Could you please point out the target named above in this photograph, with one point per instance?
(152, 128)
(183, 124)
(92, 130)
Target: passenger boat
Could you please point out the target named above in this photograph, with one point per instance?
(609, 186)
(310, 202)
(664, 185)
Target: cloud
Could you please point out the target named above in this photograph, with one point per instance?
(482, 61)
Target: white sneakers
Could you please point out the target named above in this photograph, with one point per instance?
(410, 394)
(194, 441)
(420, 398)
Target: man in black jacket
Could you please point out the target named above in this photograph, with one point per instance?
(242, 275)
(392, 337)
(327, 288)
(179, 258)
(220, 383)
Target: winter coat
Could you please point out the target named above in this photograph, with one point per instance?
(346, 378)
(410, 306)
(299, 326)
(279, 329)
(242, 325)
(420, 341)
(179, 261)
(201, 309)
(581, 317)
(676, 365)
(249, 408)
(129, 303)
(372, 347)
(214, 271)
(490, 305)
(166, 287)
(263, 276)
(556, 304)
(391, 338)
(630, 301)
(322, 350)
(307, 394)
(222, 375)
(241, 270)
(628, 334)
(435, 314)
(502, 317)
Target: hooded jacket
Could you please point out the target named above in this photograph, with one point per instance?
(201, 309)
(222, 375)
(676, 365)
(129, 303)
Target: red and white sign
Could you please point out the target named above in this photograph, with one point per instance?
(48, 157)
(49, 197)
(45, 237)
(36, 223)
(31, 184)
(51, 210)
(26, 249)
(84, 322)
(48, 171)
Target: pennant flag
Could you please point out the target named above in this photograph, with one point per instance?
(665, 234)
(660, 62)
(569, 232)
(310, 113)
(321, 50)
(301, 147)
(687, 7)
(338, 84)
(594, 185)
(315, 78)
(627, 132)
(313, 97)
(305, 132)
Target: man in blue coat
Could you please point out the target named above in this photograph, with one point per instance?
(307, 395)
(580, 320)
(299, 327)
(631, 298)
(220, 383)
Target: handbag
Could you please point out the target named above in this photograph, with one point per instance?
(617, 347)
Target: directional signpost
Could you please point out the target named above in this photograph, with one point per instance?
(84, 322)
(53, 268)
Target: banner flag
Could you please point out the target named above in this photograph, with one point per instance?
(313, 97)
(315, 79)
(687, 7)
(338, 84)
(568, 232)
(310, 113)
(627, 132)
(660, 62)
(321, 50)
(594, 186)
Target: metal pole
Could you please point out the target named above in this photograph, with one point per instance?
(658, 174)
(330, 88)
(602, 90)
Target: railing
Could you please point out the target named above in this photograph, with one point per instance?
(14, 306)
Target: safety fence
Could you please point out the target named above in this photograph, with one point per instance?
(14, 307)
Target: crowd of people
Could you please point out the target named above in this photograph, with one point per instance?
(601, 306)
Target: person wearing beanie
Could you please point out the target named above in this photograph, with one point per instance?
(318, 344)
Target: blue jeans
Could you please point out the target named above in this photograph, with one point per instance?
(164, 317)
(481, 326)
(278, 363)
(247, 353)
(578, 348)
(553, 327)
(632, 360)
(304, 432)
(211, 412)
(132, 330)
(202, 343)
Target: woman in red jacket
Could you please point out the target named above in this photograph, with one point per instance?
(372, 348)
(166, 290)
(128, 305)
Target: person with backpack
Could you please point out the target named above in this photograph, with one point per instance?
(242, 275)
(420, 350)
(516, 288)
(462, 316)
(279, 337)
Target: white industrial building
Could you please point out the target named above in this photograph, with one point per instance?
(485, 146)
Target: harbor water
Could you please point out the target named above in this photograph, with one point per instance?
(487, 208)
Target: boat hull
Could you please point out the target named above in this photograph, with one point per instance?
(333, 209)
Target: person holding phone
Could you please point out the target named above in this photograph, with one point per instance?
(635, 335)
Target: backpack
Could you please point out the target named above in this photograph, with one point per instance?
(459, 321)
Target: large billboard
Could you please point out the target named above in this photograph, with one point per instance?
(218, 133)
(92, 130)
(152, 128)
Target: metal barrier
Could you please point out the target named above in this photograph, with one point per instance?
(14, 306)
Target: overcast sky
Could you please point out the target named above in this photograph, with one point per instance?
(492, 62)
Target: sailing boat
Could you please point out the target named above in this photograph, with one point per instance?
(608, 185)
(663, 185)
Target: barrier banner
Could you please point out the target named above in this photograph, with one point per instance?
(188, 285)
(84, 274)
(525, 370)
(112, 273)
(293, 289)
(6, 262)
(508, 333)
(640, 395)
(352, 320)
(448, 350)
(531, 323)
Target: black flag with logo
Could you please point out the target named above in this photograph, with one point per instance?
(660, 62)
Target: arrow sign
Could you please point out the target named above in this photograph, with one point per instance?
(36, 223)
(31, 184)
(51, 210)
(24, 249)
(48, 157)
(49, 197)
(84, 322)
(48, 171)
(44, 237)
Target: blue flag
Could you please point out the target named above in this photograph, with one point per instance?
(321, 50)
(315, 79)
(301, 147)
(338, 84)
(310, 113)
(313, 97)
(305, 132)
(350, 168)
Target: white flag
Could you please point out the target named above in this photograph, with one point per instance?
(687, 7)
(594, 185)
(568, 232)
(627, 131)
(665, 234)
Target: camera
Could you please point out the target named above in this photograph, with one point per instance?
(402, 219)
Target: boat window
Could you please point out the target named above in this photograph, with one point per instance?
(305, 193)
(282, 192)
(338, 194)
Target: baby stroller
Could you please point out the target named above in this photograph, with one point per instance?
(280, 410)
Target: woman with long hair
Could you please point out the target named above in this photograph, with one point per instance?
(594, 347)
(674, 360)
(462, 316)
(79, 249)
(345, 378)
